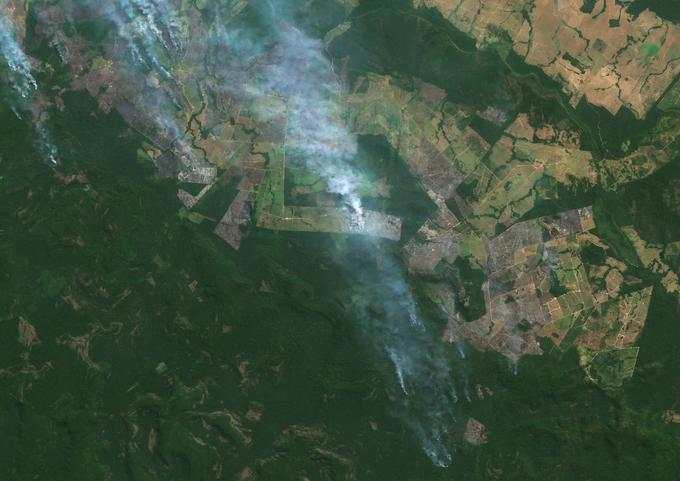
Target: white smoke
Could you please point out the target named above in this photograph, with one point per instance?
(293, 67)
(144, 28)
(391, 321)
(21, 79)
(17, 61)
(290, 65)
(287, 64)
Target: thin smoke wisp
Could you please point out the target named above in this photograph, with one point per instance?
(19, 74)
(292, 67)
(283, 78)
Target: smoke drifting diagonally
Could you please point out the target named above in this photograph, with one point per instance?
(292, 66)
(15, 58)
(145, 27)
(426, 390)
(279, 61)
(20, 76)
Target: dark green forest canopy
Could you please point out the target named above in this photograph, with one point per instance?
(538, 246)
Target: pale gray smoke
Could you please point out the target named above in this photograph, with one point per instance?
(279, 64)
(21, 79)
(390, 320)
(18, 63)
(144, 27)
(291, 66)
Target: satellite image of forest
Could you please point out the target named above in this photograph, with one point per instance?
(339, 240)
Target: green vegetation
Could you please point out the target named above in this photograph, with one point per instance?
(467, 284)
(667, 9)
(140, 346)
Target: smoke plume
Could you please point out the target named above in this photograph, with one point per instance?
(19, 76)
(264, 63)
(289, 65)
